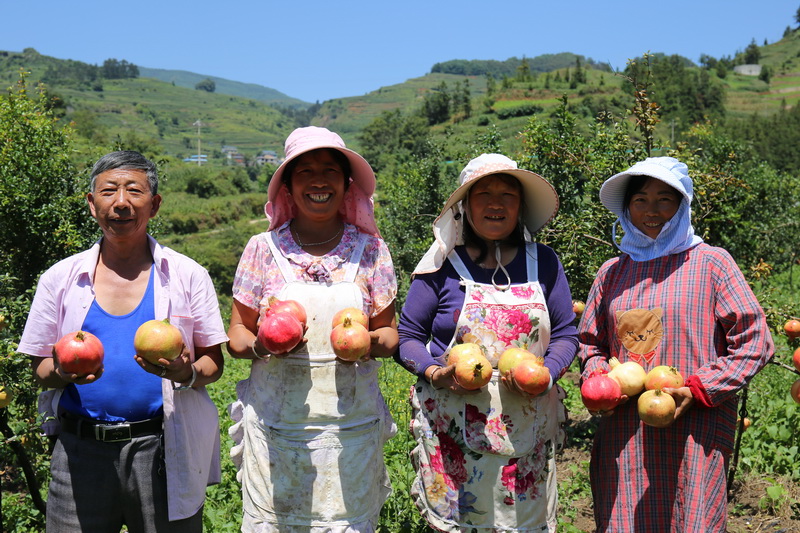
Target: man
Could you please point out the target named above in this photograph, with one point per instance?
(138, 442)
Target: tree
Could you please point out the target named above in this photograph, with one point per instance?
(44, 218)
(436, 105)
(752, 53)
(797, 16)
(206, 85)
(524, 70)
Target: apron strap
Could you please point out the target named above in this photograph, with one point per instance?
(531, 263)
(279, 258)
(351, 268)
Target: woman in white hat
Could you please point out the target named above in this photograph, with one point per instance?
(309, 429)
(485, 461)
(668, 300)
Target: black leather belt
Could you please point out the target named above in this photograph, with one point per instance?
(86, 428)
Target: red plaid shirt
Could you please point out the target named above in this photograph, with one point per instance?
(653, 480)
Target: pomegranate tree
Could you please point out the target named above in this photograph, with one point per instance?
(79, 353)
(158, 339)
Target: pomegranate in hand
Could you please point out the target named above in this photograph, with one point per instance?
(466, 349)
(79, 353)
(663, 376)
(280, 333)
(600, 392)
(292, 307)
(350, 340)
(354, 314)
(532, 376)
(656, 408)
(473, 371)
(630, 375)
(158, 339)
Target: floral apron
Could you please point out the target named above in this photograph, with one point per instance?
(487, 461)
(310, 430)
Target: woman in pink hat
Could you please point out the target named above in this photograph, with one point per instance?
(668, 300)
(485, 460)
(309, 429)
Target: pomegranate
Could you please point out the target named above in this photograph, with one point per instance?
(630, 375)
(795, 391)
(744, 423)
(656, 408)
(532, 376)
(796, 359)
(511, 358)
(663, 376)
(158, 339)
(6, 397)
(599, 392)
(578, 307)
(79, 353)
(350, 340)
(287, 306)
(280, 332)
(464, 349)
(355, 314)
(473, 371)
(792, 328)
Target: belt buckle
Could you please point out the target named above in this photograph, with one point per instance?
(112, 432)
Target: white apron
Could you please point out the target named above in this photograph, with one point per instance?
(487, 461)
(310, 430)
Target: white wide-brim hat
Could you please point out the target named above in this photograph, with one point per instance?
(540, 205)
(667, 169)
(357, 208)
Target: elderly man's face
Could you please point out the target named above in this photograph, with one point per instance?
(122, 203)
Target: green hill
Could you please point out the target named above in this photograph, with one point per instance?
(182, 78)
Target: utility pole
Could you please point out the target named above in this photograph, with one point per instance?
(198, 124)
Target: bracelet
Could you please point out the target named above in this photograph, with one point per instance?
(191, 381)
(430, 378)
(255, 352)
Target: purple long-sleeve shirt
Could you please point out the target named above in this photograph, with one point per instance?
(435, 299)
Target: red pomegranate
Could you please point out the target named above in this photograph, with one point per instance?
(663, 376)
(656, 408)
(600, 392)
(158, 339)
(280, 333)
(532, 376)
(79, 353)
(350, 340)
(792, 328)
(292, 307)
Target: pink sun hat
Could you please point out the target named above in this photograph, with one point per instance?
(357, 209)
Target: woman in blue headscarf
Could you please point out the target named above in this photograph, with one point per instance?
(669, 299)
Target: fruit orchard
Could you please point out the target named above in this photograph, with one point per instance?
(743, 205)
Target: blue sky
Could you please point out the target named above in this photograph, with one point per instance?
(318, 50)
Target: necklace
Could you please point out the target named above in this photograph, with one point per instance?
(303, 245)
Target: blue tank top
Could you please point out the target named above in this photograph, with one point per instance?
(125, 392)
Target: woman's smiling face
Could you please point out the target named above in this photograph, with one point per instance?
(493, 206)
(317, 185)
(652, 206)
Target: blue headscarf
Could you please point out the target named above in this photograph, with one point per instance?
(677, 235)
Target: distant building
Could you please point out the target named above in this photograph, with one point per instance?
(747, 70)
(200, 159)
(267, 157)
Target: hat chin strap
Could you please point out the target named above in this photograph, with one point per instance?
(498, 256)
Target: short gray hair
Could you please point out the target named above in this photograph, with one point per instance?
(126, 160)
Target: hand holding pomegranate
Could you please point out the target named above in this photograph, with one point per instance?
(177, 370)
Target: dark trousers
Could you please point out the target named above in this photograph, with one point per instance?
(98, 487)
